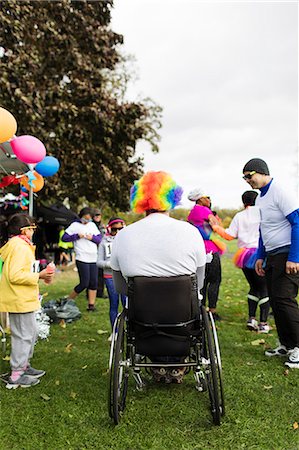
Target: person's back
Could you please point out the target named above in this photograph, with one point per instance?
(245, 227)
(159, 245)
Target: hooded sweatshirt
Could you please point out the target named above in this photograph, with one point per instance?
(19, 280)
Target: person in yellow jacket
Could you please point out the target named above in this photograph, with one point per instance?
(19, 297)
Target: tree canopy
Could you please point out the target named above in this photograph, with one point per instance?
(63, 78)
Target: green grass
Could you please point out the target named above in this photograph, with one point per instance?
(261, 399)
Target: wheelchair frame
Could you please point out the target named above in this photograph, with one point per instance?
(204, 359)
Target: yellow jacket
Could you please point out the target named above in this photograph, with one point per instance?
(18, 284)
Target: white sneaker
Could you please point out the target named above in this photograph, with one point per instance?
(263, 328)
(293, 361)
(281, 350)
(252, 324)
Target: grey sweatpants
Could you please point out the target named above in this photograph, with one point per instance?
(23, 336)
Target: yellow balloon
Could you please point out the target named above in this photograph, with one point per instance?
(8, 125)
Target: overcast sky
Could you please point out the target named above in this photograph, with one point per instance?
(226, 75)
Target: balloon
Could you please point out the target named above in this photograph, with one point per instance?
(8, 125)
(28, 149)
(48, 166)
(38, 184)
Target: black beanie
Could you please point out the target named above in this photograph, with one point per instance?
(258, 165)
(249, 197)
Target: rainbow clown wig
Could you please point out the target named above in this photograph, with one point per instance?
(155, 191)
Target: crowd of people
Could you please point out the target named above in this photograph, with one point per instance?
(267, 233)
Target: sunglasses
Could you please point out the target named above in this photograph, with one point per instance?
(115, 230)
(249, 175)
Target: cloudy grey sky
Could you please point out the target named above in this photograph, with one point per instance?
(226, 75)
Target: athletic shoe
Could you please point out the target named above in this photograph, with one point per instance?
(23, 381)
(160, 374)
(91, 308)
(31, 372)
(252, 324)
(293, 361)
(176, 375)
(263, 328)
(281, 350)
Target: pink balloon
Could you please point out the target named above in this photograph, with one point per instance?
(28, 149)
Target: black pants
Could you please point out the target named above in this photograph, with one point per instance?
(283, 290)
(88, 275)
(212, 281)
(101, 284)
(257, 295)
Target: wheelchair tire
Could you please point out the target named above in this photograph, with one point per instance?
(111, 368)
(119, 376)
(218, 361)
(214, 382)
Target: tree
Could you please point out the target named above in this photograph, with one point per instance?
(62, 77)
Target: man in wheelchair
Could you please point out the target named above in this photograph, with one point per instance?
(155, 248)
(159, 262)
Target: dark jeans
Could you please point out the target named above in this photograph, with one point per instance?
(283, 290)
(258, 290)
(212, 281)
(88, 275)
(114, 299)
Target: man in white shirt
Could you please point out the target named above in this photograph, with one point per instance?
(278, 257)
(157, 245)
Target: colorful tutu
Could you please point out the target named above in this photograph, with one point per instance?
(245, 257)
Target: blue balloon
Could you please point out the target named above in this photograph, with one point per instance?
(48, 166)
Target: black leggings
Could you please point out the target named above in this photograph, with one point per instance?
(257, 295)
(88, 275)
(212, 281)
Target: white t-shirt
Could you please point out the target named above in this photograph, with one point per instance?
(245, 226)
(274, 206)
(158, 246)
(85, 250)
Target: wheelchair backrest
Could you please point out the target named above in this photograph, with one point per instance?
(163, 300)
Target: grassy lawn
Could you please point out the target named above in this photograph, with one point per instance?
(67, 410)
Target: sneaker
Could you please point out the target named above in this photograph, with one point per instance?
(91, 308)
(159, 375)
(252, 324)
(293, 361)
(31, 372)
(263, 328)
(216, 316)
(23, 381)
(176, 375)
(281, 350)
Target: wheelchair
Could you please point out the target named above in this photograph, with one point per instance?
(163, 317)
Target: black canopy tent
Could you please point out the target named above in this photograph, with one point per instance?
(9, 163)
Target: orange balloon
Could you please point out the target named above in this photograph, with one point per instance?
(8, 125)
(38, 184)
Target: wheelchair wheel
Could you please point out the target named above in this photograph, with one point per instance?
(212, 369)
(217, 360)
(119, 373)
